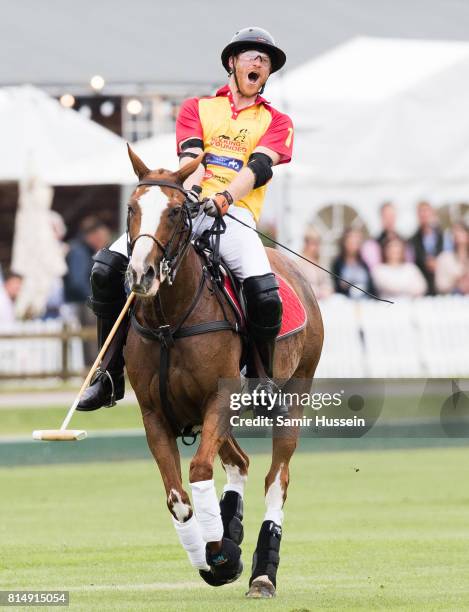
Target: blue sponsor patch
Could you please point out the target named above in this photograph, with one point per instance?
(226, 162)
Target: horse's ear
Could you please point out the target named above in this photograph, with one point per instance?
(189, 169)
(139, 167)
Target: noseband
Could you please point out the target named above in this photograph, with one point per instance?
(171, 261)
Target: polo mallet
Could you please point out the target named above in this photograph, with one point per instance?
(64, 434)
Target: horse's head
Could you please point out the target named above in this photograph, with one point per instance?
(158, 225)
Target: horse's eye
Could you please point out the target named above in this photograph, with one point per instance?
(130, 211)
(174, 212)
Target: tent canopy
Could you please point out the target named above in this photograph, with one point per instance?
(386, 120)
(113, 167)
(38, 131)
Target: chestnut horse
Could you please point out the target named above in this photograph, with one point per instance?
(159, 226)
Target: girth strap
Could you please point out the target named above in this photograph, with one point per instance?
(166, 337)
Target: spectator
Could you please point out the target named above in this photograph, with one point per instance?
(372, 250)
(93, 235)
(395, 277)
(9, 291)
(388, 223)
(427, 243)
(320, 281)
(351, 267)
(452, 267)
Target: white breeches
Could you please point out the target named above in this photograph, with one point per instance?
(240, 247)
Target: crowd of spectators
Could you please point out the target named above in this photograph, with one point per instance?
(430, 262)
(68, 295)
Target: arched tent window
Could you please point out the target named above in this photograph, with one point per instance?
(331, 221)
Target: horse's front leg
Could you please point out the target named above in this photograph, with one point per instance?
(267, 554)
(235, 463)
(162, 444)
(223, 554)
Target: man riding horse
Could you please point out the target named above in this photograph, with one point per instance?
(242, 137)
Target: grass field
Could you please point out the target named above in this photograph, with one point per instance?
(23, 420)
(363, 531)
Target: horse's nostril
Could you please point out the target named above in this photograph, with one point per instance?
(149, 274)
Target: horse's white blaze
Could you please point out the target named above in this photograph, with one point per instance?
(235, 480)
(152, 204)
(274, 500)
(180, 509)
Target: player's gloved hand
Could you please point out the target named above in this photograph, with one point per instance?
(192, 197)
(218, 204)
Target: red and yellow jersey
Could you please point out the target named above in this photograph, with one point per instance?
(230, 137)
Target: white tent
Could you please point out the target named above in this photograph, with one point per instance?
(37, 129)
(114, 168)
(377, 120)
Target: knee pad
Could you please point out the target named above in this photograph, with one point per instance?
(264, 306)
(107, 283)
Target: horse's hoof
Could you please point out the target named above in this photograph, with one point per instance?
(213, 577)
(261, 589)
(210, 579)
(225, 566)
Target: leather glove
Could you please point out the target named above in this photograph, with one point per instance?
(217, 204)
(192, 196)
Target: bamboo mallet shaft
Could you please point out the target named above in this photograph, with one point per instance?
(98, 360)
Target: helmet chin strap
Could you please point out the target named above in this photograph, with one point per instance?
(261, 90)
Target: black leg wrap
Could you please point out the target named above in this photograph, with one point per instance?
(267, 554)
(231, 509)
(107, 284)
(225, 566)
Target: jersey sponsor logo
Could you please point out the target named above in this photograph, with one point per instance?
(222, 141)
(226, 162)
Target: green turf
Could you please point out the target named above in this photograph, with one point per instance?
(363, 531)
(23, 420)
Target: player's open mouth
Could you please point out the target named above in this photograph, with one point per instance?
(253, 77)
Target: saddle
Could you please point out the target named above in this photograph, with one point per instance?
(294, 316)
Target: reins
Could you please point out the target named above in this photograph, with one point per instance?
(164, 334)
(375, 297)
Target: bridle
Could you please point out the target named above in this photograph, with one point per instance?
(172, 255)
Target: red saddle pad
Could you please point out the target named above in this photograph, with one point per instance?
(294, 314)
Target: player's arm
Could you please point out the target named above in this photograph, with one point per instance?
(189, 138)
(274, 147)
(256, 173)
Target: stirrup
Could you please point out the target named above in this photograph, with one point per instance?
(99, 373)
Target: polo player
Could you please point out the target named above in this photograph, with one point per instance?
(242, 137)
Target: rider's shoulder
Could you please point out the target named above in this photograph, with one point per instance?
(278, 117)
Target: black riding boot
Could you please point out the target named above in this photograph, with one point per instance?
(107, 300)
(264, 312)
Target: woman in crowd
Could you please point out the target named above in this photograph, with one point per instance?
(320, 281)
(396, 278)
(452, 267)
(350, 266)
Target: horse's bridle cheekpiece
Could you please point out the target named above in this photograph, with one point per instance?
(171, 260)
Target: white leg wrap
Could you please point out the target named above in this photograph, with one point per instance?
(274, 501)
(191, 539)
(207, 510)
(236, 481)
